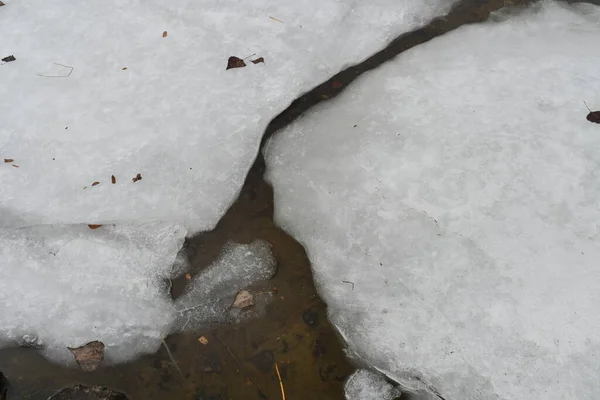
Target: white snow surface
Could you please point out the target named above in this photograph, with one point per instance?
(464, 206)
(175, 115)
(97, 91)
(369, 385)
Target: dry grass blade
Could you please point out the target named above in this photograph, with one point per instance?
(171, 357)
(280, 382)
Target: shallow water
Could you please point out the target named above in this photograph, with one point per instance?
(238, 362)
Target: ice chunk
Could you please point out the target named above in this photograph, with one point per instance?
(209, 298)
(368, 385)
(69, 285)
(96, 91)
(457, 188)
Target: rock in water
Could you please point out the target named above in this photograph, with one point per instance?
(79, 392)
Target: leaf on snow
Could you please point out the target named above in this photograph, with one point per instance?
(165, 34)
(92, 226)
(95, 183)
(9, 58)
(89, 356)
(258, 60)
(2, 4)
(138, 177)
(235, 62)
(8, 160)
(113, 179)
(594, 116)
(14, 165)
(243, 300)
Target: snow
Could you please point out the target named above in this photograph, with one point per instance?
(368, 385)
(464, 208)
(97, 90)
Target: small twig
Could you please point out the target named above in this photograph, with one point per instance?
(280, 382)
(350, 283)
(59, 76)
(171, 357)
(251, 55)
(240, 365)
(186, 322)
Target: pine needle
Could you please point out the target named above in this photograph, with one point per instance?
(280, 382)
(171, 357)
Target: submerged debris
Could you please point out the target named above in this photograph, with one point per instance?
(243, 299)
(81, 392)
(89, 356)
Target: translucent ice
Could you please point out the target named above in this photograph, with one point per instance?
(457, 188)
(368, 385)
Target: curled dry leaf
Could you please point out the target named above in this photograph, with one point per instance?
(203, 340)
(8, 160)
(235, 62)
(113, 179)
(243, 299)
(165, 34)
(138, 177)
(594, 116)
(92, 226)
(95, 183)
(89, 356)
(258, 60)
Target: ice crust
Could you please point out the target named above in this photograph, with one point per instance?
(97, 90)
(457, 188)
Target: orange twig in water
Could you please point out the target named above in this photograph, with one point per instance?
(280, 382)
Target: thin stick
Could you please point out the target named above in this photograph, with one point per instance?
(240, 365)
(280, 382)
(59, 76)
(171, 357)
(253, 54)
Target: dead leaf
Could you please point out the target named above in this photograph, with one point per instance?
(8, 160)
(243, 299)
(9, 58)
(92, 226)
(235, 62)
(594, 116)
(89, 356)
(14, 165)
(138, 177)
(113, 179)
(165, 34)
(188, 276)
(336, 84)
(95, 183)
(203, 340)
(258, 60)
(2, 4)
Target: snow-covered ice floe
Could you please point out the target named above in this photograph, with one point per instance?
(457, 188)
(106, 88)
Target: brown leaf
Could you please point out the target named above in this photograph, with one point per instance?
(95, 183)
(165, 34)
(8, 160)
(203, 340)
(113, 179)
(138, 177)
(9, 59)
(2, 4)
(243, 300)
(92, 226)
(235, 62)
(258, 60)
(594, 116)
(89, 356)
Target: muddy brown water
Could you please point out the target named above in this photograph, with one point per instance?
(238, 362)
